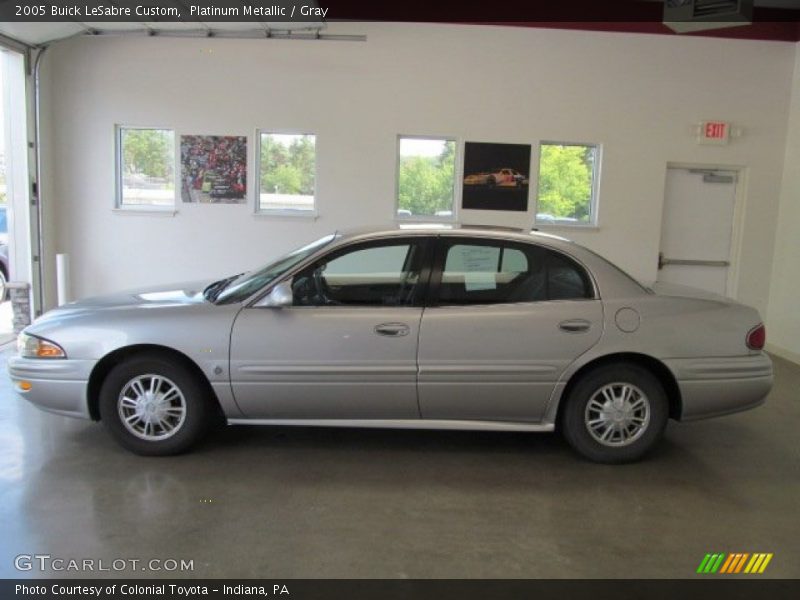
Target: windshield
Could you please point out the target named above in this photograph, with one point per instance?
(244, 286)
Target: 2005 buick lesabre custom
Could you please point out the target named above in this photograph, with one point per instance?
(459, 328)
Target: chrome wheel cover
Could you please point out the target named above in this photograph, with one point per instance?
(617, 414)
(151, 407)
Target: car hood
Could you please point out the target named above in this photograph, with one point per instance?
(179, 294)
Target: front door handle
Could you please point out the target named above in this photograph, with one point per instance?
(392, 329)
(575, 325)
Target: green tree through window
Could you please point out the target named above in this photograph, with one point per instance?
(566, 185)
(148, 152)
(287, 171)
(426, 174)
(147, 167)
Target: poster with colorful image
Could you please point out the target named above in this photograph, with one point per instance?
(214, 169)
(496, 176)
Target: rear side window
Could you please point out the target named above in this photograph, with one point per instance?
(500, 273)
(566, 280)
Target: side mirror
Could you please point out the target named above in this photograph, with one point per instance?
(280, 296)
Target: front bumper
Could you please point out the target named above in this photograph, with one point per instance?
(55, 385)
(712, 387)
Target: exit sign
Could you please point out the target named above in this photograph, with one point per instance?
(714, 132)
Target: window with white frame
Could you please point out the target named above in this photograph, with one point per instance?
(425, 177)
(146, 167)
(287, 171)
(568, 178)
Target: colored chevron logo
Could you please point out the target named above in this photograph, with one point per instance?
(737, 562)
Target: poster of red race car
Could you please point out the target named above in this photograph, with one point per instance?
(495, 176)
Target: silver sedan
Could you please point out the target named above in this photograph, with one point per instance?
(450, 328)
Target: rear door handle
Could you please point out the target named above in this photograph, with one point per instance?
(575, 325)
(392, 329)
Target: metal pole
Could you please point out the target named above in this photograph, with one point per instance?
(62, 278)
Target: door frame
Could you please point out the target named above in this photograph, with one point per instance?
(739, 205)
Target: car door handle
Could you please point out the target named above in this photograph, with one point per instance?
(575, 325)
(392, 329)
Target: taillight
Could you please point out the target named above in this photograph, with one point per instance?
(756, 337)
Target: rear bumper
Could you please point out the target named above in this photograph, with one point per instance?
(58, 386)
(712, 387)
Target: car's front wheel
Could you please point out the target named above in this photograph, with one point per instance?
(154, 406)
(616, 413)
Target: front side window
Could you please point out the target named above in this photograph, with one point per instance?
(374, 275)
(287, 173)
(500, 273)
(568, 182)
(425, 178)
(145, 167)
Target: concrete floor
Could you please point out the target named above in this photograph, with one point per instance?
(268, 502)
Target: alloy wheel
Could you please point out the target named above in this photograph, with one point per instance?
(152, 407)
(617, 414)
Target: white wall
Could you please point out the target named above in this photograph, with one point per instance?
(783, 325)
(638, 95)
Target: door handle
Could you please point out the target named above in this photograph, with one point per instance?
(575, 325)
(697, 263)
(392, 329)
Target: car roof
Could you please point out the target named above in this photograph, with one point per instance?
(451, 229)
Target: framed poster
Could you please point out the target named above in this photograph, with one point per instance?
(496, 176)
(214, 169)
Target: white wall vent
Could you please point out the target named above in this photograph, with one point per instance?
(684, 16)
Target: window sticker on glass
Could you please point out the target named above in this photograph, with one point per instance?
(474, 282)
(479, 264)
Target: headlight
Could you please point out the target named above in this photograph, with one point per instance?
(30, 346)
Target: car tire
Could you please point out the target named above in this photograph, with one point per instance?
(3, 287)
(154, 406)
(491, 182)
(615, 414)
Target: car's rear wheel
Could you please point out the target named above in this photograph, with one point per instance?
(3, 287)
(615, 414)
(154, 406)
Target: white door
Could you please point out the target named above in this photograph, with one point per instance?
(697, 228)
